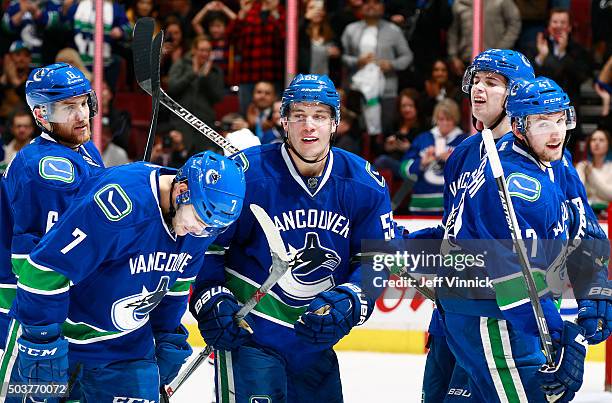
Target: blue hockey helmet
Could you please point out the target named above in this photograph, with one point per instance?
(511, 64)
(57, 82)
(216, 188)
(311, 88)
(539, 96)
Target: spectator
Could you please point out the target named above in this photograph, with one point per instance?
(22, 129)
(71, 56)
(350, 13)
(142, 8)
(562, 59)
(182, 11)
(502, 24)
(112, 154)
(258, 35)
(236, 130)
(424, 161)
(197, 84)
(170, 150)
(28, 20)
(82, 22)
(119, 122)
(409, 127)
(601, 25)
(13, 79)
(437, 87)
(533, 20)
(212, 21)
(174, 48)
(317, 47)
(138, 9)
(232, 122)
(259, 112)
(349, 131)
(596, 173)
(603, 87)
(424, 24)
(371, 46)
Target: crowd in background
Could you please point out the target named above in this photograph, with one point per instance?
(398, 65)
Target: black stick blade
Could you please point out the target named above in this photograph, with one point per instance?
(141, 51)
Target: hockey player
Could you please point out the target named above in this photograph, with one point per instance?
(324, 201)
(496, 340)
(488, 81)
(113, 276)
(44, 177)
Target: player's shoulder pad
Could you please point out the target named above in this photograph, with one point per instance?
(260, 162)
(358, 170)
(53, 165)
(126, 195)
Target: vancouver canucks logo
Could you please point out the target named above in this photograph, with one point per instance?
(311, 272)
(131, 312)
(40, 74)
(374, 174)
(212, 177)
(434, 174)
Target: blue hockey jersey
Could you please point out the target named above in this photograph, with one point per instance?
(37, 188)
(541, 214)
(111, 270)
(321, 220)
(427, 193)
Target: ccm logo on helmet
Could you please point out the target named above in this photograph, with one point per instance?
(549, 101)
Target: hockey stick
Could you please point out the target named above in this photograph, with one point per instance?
(156, 48)
(281, 261)
(143, 77)
(141, 49)
(519, 245)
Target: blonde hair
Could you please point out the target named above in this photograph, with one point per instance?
(449, 108)
(200, 38)
(71, 56)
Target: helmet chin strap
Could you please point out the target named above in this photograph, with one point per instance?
(497, 122)
(525, 142)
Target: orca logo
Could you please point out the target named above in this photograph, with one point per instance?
(131, 312)
(212, 177)
(311, 269)
(40, 74)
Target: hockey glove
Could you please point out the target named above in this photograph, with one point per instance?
(214, 309)
(171, 351)
(595, 317)
(43, 354)
(332, 314)
(565, 378)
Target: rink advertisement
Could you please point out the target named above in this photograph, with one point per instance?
(401, 318)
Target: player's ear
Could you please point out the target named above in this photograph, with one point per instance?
(516, 131)
(38, 116)
(285, 124)
(179, 188)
